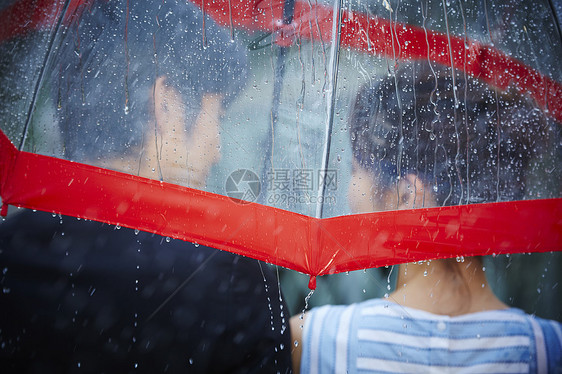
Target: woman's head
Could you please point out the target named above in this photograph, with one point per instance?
(446, 139)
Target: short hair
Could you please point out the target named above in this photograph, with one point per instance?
(108, 61)
(467, 141)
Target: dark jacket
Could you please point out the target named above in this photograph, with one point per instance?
(81, 296)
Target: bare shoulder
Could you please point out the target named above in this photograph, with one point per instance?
(297, 326)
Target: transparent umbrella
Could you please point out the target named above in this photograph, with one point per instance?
(246, 126)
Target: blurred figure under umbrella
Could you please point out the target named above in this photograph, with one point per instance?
(85, 296)
(419, 141)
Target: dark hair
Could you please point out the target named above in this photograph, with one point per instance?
(467, 141)
(108, 61)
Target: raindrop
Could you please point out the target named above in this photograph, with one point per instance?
(78, 364)
(296, 343)
(425, 273)
(306, 300)
(117, 227)
(168, 239)
(538, 290)
(4, 271)
(136, 365)
(6, 290)
(137, 231)
(191, 361)
(196, 244)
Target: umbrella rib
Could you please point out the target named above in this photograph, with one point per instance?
(334, 60)
(41, 75)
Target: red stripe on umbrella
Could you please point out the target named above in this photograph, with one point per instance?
(306, 244)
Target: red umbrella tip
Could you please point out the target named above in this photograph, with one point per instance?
(312, 283)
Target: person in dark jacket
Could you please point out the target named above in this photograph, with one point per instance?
(139, 87)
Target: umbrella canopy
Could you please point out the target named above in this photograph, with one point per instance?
(88, 86)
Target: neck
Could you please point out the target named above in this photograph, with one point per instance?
(445, 287)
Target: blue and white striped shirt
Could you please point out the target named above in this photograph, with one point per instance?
(379, 336)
